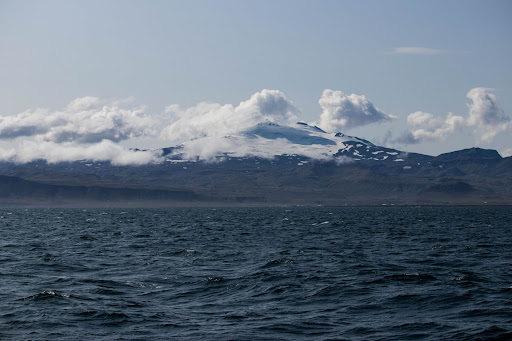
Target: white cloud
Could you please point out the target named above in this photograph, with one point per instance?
(428, 127)
(420, 118)
(486, 114)
(83, 120)
(216, 120)
(87, 128)
(486, 117)
(341, 112)
(83, 103)
(29, 150)
(208, 129)
(418, 50)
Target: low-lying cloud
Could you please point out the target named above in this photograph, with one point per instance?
(29, 150)
(341, 112)
(89, 128)
(209, 148)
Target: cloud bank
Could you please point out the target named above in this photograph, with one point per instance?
(84, 120)
(87, 128)
(341, 112)
(28, 150)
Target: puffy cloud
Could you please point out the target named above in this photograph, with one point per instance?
(89, 128)
(83, 120)
(86, 128)
(420, 118)
(342, 112)
(29, 150)
(216, 120)
(428, 127)
(486, 114)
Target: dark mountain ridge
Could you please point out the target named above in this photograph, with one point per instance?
(357, 173)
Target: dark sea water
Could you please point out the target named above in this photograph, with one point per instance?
(388, 273)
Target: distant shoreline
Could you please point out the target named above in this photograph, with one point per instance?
(163, 205)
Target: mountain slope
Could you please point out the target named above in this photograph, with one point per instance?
(18, 190)
(268, 139)
(270, 164)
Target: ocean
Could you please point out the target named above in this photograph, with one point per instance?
(349, 273)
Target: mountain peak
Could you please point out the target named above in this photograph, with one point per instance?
(269, 139)
(313, 128)
(301, 133)
(471, 153)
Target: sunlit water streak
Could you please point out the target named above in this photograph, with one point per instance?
(253, 273)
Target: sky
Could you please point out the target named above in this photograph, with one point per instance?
(82, 78)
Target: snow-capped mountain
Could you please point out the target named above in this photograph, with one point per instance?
(268, 164)
(268, 139)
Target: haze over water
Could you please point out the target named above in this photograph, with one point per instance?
(256, 273)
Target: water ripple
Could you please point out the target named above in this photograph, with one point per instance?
(390, 273)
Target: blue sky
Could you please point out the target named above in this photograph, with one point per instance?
(403, 56)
